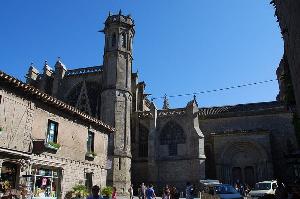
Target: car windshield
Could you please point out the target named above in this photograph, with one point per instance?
(262, 186)
(225, 189)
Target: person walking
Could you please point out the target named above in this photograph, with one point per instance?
(130, 190)
(175, 193)
(95, 193)
(114, 193)
(166, 193)
(150, 193)
(143, 191)
(189, 191)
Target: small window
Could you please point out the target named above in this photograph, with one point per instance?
(123, 40)
(0, 99)
(90, 142)
(52, 131)
(114, 40)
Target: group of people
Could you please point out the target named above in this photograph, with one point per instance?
(168, 192)
(242, 188)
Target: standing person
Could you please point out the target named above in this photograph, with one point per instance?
(130, 190)
(95, 193)
(166, 193)
(143, 191)
(150, 194)
(189, 191)
(280, 192)
(114, 193)
(175, 193)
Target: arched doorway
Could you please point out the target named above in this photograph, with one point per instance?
(245, 162)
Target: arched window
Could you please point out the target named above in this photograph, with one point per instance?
(114, 40)
(143, 141)
(123, 40)
(172, 134)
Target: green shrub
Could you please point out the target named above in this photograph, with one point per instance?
(80, 191)
(107, 191)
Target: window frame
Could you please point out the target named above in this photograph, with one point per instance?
(91, 148)
(55, 135)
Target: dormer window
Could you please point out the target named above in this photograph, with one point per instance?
(114, 40)
(123, 40)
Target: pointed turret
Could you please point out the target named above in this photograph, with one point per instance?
(59, 73)
(32, 74)
(166, 104)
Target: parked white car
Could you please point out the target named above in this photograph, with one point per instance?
(263, 188)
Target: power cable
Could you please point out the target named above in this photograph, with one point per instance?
(214, 90)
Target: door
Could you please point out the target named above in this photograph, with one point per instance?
(249, 176)
(237, 175)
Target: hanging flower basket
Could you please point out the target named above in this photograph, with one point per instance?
(52, 145)
(91, 154)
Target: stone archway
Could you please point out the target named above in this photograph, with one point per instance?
(244, 161)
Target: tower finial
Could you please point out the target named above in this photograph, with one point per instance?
(166, 104)
(120, 12)
(195, 100)
(109, 14)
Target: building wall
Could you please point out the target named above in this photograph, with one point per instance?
(160, 167)
(16, 118)
(25, 122)
(281, 139)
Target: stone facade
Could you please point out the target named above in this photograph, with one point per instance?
(173, 146)
(247, 142)
(174, 151)
(25, 143)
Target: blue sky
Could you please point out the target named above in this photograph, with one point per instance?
(179, 47)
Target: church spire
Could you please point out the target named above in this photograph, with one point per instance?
(166, 104)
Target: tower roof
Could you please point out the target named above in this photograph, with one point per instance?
(119, 19)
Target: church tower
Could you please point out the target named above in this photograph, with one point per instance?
(116, 97)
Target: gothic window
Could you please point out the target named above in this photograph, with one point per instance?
(86, 97)
(114, 40)
(172, 134)
(123, 40)
(143, 141)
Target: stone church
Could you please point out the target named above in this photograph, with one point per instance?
(246, 142)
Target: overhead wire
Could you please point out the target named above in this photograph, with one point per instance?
(214, 90)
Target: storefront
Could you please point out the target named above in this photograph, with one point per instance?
(46, 183)
(9, 173)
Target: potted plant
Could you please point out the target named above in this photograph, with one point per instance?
(107, 192)
(79, 191)
(1, 129)
(52, 145)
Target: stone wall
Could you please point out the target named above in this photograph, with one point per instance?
(24, 123)
(288, 14)
(170, 128)
(16, 118)
(280, 141)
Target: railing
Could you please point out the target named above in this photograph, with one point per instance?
(81, 71)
